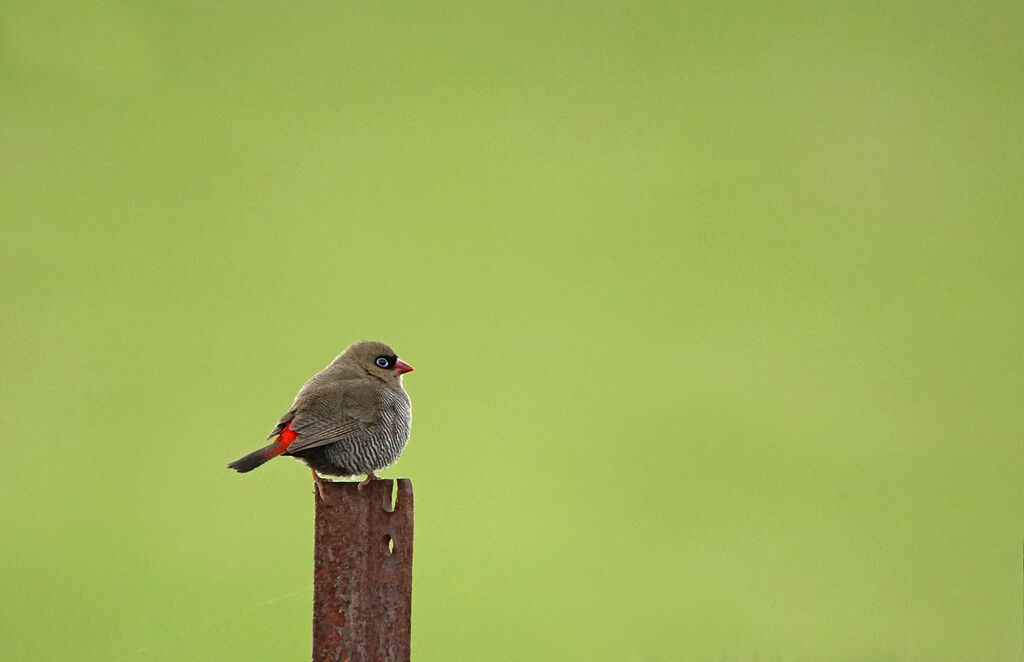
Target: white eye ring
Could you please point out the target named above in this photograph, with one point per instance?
(382, 362)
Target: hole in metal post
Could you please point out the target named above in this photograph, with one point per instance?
(394, 494)
(389, 544)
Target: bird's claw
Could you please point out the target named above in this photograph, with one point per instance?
(320, 480)
(369, 476)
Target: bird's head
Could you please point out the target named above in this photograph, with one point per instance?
(377, 359)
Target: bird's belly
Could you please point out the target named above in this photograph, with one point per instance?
(357, 455)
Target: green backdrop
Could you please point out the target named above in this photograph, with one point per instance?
(715, 309)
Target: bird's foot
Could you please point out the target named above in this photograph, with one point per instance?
(320, 480)
(369, 476)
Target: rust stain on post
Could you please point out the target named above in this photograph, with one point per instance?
(362, 573)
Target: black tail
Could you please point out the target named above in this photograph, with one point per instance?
(253, 459)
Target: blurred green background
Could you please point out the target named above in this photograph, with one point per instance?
(715, 309)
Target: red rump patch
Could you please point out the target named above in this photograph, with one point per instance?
(284, 440)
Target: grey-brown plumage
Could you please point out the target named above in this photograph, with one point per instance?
(353, 417)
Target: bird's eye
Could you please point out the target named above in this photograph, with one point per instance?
(382, 362)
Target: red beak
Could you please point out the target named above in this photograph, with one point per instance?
(401, 367)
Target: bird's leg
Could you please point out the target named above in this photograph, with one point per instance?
(320, 480)
(369, 476)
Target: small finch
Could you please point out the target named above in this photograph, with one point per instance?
(353, 417)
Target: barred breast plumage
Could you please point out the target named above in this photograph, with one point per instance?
(369, 450)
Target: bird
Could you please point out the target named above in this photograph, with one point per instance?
(352, 418)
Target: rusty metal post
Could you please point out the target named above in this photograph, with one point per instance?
(362, 573)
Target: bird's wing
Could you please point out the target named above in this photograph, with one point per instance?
(333, 413)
